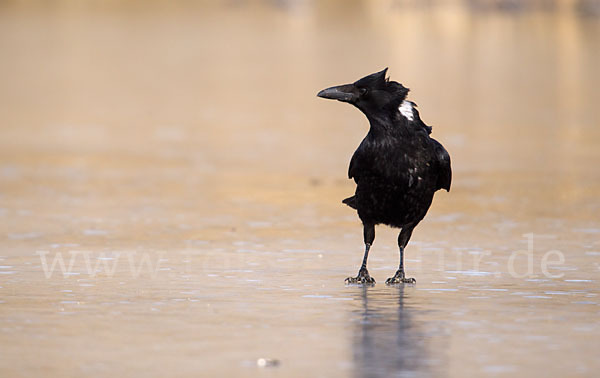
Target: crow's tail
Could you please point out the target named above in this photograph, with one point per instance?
(350, 201)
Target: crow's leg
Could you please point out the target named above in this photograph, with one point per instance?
(400, 277)
(363, 274)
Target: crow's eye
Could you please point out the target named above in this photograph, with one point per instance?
(363, 91)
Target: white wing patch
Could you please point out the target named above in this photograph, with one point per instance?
(406, 109)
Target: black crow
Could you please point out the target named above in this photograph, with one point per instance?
(397, 167)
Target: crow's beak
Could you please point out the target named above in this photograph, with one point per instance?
(345, 93)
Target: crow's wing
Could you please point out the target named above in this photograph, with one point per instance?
(357, 163)
(443, 166)
(352, 167)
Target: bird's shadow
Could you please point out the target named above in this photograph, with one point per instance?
(386, 340)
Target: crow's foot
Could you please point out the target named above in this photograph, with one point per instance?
(362, 278)
(398, 278)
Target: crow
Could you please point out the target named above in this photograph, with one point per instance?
(397, 167)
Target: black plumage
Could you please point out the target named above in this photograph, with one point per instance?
(397, 167)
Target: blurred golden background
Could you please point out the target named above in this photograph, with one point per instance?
(163, 127)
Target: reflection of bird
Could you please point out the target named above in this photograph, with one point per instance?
(386, 340)
(397, 167)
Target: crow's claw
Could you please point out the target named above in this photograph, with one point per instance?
(395, 281)
(362, 278)
(399, 278)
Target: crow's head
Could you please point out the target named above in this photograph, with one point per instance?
(372, 94)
